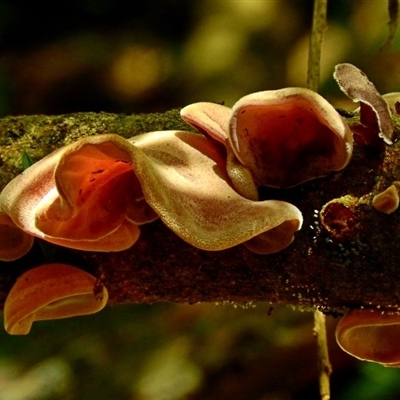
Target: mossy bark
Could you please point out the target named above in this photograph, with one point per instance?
(355, 263)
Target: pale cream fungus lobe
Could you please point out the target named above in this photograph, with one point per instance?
(375, 109)
(184, 179)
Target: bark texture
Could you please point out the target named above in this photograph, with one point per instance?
(351, 260)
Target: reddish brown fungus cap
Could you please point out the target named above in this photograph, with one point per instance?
(51, 291)
(289, 136)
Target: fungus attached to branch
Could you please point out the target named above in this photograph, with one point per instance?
(84, 196)
(289, 136)
(51, 291)
(338, 216)
(375, 116)
(281, 137)
(184, 179)
(370, 335)
(94, 194)
(388, 200)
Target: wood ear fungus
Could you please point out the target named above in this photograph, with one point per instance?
(51, 291)
(370, 335)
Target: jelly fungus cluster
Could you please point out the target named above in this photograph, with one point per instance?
(95, 194)
(367, 334)
(373, 128)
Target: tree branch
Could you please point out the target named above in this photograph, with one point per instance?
(355, 264)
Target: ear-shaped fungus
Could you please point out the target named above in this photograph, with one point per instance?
(93, 194)
(85, 196)
(370, 335)
(14, 243)
(375, 116)
(280, 137)
(208, 118)
(289, 136)
(184, 179)
(388, 200)
(51, 291)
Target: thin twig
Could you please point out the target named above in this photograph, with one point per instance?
(313, 73)
(393, 9)
(319, 26)
(324, 366)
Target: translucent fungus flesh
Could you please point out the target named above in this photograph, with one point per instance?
(285, 142)
(288, 136)
(51, 291)
(84, 196)
(370, 335)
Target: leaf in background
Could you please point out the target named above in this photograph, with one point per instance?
(26, 160)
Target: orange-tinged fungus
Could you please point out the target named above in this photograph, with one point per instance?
(84, 196)
(388, 200)
(370, 335)
(14, 243)
(51, 291)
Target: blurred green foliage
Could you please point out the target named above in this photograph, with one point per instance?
(374, 382)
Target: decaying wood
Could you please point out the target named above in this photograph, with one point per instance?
(355, 265)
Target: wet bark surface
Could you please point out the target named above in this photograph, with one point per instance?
(345, 255)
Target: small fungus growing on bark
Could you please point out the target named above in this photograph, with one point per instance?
(338, 216)
(388, 200)
(375, 116)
